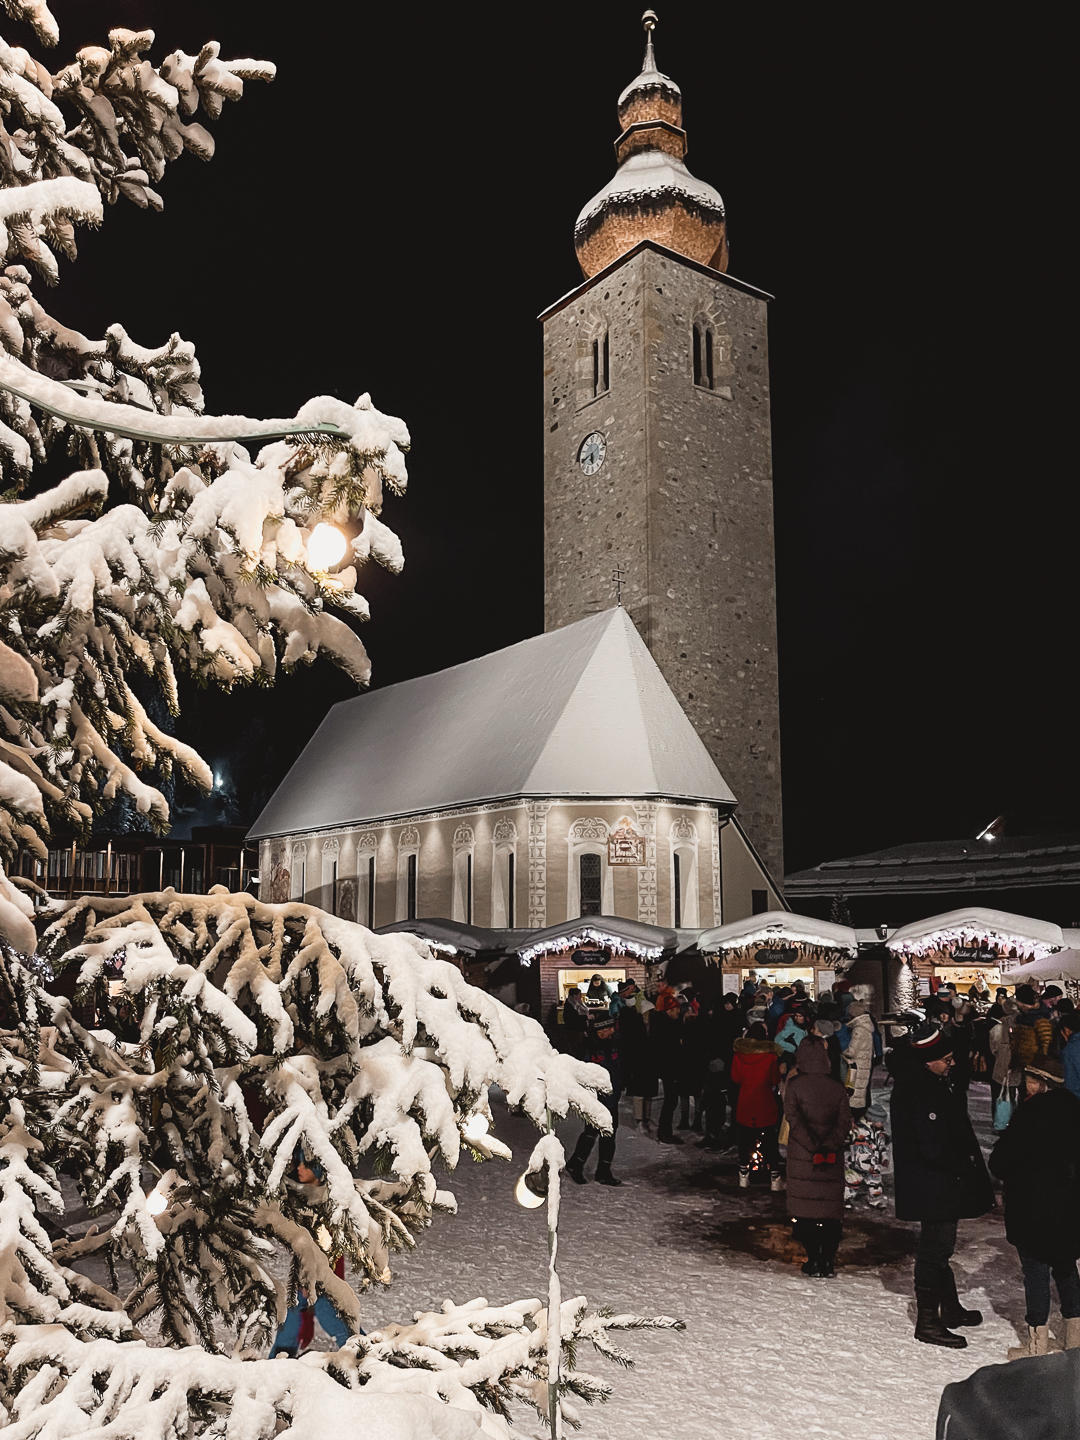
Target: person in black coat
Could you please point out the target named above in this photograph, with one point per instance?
(1038, 1159)
(601, 1048)
(639, 1072)
(940, 1175)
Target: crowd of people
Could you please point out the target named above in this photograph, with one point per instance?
(769, 1073)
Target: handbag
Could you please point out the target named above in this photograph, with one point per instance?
(1003, 1112)
(785, 1132)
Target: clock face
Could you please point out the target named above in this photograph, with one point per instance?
(591, 455)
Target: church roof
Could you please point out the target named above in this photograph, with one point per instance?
(581, 711)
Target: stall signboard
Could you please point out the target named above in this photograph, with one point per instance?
(625, 846)
(591, 957)
(976, 954)
(780, 955)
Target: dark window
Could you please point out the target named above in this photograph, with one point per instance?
(607, 362)
(410, 900)
(468, 889)
(589, 880)
(697, 355)
(601, 365)
(371, 892)
(596, 367)
(678, 891)
(759, 901)
(708, 359)
(510, 891)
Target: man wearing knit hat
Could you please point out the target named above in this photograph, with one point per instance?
(941, 1176)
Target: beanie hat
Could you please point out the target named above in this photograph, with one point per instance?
(1025, 994)
(1046, 1068)
(930, 1042)
(826, 1028)
(1052, 992)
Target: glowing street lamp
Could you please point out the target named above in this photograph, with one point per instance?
(476, 1127)
(326, 546)
(156, 1203)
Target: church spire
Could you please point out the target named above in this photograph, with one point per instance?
(653, 196)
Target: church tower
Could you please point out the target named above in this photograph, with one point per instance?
(657, 456)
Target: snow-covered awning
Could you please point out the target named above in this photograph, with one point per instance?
(1017, 937)
(454, 937)
(779, 930)
(1062, 965)
(613, 932)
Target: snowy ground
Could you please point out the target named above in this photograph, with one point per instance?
(766, 1353)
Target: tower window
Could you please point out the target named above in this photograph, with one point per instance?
(703, 356)
(601, 365)
(410, 889)
(468, 888)
(371, 892)
(589, 884)
(510, 890)
(678, 890)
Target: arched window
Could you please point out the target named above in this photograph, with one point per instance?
(588, 841)
(464, 843)
(407, 876)
(684, 875)
(589, 884)
(601, 364)
(503, 857)
(703, 346)
(365, 878)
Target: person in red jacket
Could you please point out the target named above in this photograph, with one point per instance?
(755, 1068)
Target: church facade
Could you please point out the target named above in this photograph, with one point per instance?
(554, 779)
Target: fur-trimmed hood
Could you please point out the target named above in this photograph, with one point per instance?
(745, 1046)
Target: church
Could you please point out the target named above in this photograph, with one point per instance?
(626, 763)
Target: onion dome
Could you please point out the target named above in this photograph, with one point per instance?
(653, 196)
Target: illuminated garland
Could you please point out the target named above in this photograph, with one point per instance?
(571, 942)
(955, 937)
(746, 952)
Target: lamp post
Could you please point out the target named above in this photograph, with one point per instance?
(541, 1181)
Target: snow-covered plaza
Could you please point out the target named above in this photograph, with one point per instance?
(765, 1352)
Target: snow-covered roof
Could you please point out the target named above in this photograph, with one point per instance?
(1062, 965)
(581, 711)
(779, 926)
(650, 78)
(631, 937)
(653, 175)
(1000, 929)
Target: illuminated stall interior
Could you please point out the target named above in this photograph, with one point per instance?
(972, 946)
(780, 948)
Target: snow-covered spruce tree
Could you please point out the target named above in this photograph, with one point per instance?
(242, 1031)
(167, 545)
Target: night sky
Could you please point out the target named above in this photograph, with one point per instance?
(395, 210)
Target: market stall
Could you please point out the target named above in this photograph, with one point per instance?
(972, 946)
(1062, 968)
(571, 953)
(780, 948)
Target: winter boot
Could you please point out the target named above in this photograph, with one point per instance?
(1072, 1333)
(928, 1325)
(776, 1181)
(604, 1176)
(810, 1238)
(575, 1166)
(952, 1312)
(744, 1177)
(646, 1121)
(684, 1112)
(668, 1138)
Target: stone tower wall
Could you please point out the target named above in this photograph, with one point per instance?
(683, 502)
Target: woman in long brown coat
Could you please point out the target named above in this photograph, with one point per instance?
(819, 1121)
